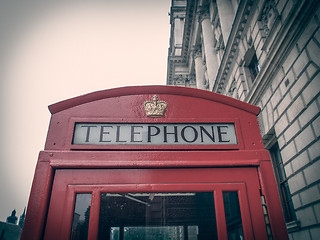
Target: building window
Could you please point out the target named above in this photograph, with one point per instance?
(282, 182)
(254, 67)
(251, 65)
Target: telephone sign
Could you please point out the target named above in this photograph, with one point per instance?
(154, 134)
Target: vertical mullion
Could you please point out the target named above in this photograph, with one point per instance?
(245, 214)
(69, 206)
(94, 215)
(220, 215)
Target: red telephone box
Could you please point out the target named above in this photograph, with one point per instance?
(154, 162)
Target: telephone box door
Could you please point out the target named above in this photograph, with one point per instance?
(117, 204)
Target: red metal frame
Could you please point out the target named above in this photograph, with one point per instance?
(125, 105)
(70, 182)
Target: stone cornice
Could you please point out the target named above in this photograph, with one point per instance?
(239, 23)
(174, 10)
(172, 60)
(283, 43)
(189, 20)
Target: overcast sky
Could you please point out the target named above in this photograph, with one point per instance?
(54, 50)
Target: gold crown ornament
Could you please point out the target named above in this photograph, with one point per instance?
(155, 108)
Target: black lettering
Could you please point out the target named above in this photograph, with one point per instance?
(165, 133)
(152, 135)
(88, 132)
(118, 135)
(102, 133)
(184, 137)
(220, 133)
(203, 130)
(133, 133)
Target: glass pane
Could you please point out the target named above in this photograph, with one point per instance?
(233, 216)
(168, 232)
(282, 175)
(115, 233)
(155, 216)
(287, 204)
(80, 223)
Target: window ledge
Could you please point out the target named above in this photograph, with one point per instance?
(293, 226)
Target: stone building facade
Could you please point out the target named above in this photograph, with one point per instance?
(266, 53)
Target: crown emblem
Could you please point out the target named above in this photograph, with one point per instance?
(155, 108)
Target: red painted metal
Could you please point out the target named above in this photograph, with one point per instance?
(147, 90)
(38, 202)
(268, 188)
(64, 169)
(73, 181)
(126, 105)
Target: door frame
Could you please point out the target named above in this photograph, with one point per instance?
(68, 183)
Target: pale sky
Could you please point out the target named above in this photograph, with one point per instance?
(52, 50)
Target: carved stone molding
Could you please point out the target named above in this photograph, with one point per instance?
(181, 80)
(203, 15)
(232, 45)
(282, 45)
(269, 14)
(196, 51)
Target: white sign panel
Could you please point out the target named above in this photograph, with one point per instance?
(154, 134)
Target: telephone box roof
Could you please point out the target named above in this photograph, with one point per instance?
(154, 89)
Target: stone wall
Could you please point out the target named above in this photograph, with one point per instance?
(284, 38)
(290, 109)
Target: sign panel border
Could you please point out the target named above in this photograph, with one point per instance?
(74, 120)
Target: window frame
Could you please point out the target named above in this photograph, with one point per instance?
(282, 182)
